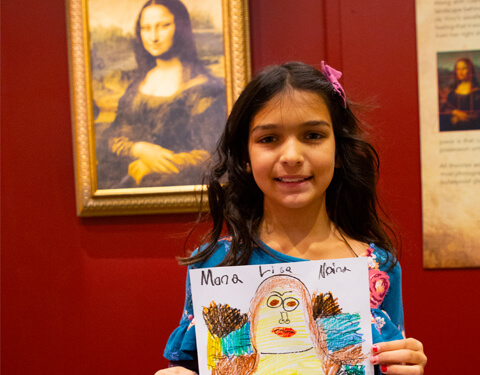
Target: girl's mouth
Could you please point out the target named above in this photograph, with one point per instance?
(284, 331)
(292, 179)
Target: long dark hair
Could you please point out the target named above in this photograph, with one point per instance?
(351, 197)
(183, 45)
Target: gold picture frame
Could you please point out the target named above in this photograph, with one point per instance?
(92, 201)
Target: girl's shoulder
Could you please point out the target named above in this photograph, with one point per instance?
(221, 250)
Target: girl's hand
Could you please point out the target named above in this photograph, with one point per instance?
(399, 357)
(177, 370)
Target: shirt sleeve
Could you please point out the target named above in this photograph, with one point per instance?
(181, 345)
(393, 303)
(387, 319)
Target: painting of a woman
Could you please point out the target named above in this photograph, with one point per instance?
(172, 112)
(461, 110)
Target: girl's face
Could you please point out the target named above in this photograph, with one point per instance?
(157, 28)
(292, 150)
(462, 70)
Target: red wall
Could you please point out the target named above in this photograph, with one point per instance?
(101, 295)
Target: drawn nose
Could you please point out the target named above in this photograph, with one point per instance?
(284, 318)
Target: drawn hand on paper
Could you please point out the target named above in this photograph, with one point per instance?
(285, 332)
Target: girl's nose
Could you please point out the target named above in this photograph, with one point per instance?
(291, 153)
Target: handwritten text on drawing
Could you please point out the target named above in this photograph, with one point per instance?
(272, 270)
(330, 269)
(208, 279)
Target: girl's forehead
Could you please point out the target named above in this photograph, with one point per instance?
(292, 104)
(294, 96)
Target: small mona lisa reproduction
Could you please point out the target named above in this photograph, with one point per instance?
(459, 90)
(158, 84)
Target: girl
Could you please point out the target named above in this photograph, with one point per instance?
(300, 186)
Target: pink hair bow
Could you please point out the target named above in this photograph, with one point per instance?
(333, 76)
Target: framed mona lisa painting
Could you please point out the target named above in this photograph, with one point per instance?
(152, 83)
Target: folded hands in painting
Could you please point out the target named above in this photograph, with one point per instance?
(400, 357)
(461, 116)
(151, 158)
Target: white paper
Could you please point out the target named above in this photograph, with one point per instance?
(284, 336)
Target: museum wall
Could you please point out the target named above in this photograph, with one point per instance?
(101, 295)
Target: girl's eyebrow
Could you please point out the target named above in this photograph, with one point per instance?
(311, 123)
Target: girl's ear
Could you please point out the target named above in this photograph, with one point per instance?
(248, 168)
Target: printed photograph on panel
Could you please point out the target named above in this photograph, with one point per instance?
(459, 90)
(158, 85)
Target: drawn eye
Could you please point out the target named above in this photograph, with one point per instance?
(274, 301)
(290, 304)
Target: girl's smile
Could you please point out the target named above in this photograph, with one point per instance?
(290, 184)
(293, 180)
(292, 150)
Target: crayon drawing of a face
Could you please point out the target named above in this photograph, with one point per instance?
(282, 317)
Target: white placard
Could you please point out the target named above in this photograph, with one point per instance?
(448, 32)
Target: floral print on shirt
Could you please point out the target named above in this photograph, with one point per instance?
(379, 280)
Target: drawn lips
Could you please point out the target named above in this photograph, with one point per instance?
(284, 331)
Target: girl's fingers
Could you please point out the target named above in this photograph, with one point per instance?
(409, 343)
(409, 357)
(401, 370)
(399, 357)
(175, 371)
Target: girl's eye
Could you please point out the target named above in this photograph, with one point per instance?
(267, 139)
(274, 301)
(314, 136)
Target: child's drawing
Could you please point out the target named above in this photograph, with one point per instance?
(286, 330)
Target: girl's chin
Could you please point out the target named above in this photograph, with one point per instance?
(297, 203)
